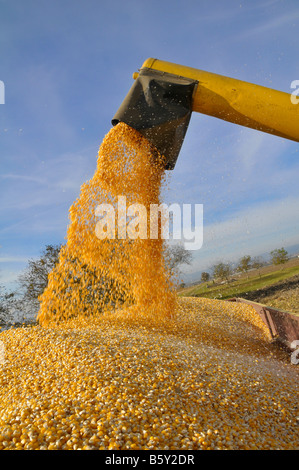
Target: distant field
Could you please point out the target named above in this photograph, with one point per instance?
(243, 285)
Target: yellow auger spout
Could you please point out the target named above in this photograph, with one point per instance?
(239, 102)
(163, 86)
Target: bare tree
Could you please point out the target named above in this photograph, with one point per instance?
(279, 256)
(258, 263)
(6, 301)
(34, 279)
(244, 264)
(176, 255)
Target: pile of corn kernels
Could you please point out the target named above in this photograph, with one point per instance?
(207, 378)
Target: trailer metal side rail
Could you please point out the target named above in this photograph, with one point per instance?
(283, 326)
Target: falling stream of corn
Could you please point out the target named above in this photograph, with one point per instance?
(117, 361)
(95, 275)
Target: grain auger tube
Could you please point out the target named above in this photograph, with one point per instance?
(161, 100)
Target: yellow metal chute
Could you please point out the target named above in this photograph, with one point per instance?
(164, 95)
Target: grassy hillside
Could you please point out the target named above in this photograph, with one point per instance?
(243, 285)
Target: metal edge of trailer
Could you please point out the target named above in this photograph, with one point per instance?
(283, 326)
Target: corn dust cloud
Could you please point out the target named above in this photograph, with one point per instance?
(95, 275)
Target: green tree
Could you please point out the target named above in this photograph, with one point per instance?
(279, 256)
(222, 271)
(244, 264)
(205, 276)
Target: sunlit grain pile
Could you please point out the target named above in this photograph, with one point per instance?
(205, 379)
(116, 363)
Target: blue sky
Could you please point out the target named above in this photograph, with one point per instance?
(68, 64)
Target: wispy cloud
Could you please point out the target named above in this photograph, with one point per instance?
(272, 24)
(15, 176)
(13, 259)
(234, 169)
(51, 182)
(253, 231)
